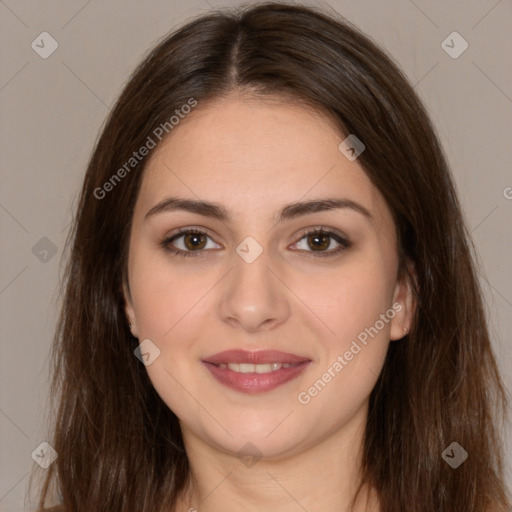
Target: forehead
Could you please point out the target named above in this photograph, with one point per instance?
(255, 155)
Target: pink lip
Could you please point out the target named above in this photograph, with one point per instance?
(254, 357)
(255, 382)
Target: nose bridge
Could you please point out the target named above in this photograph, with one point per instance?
(253, 296)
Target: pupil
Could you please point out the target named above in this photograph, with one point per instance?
(196, 243)
(316, 238)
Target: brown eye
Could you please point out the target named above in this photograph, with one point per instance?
(194, 241)
(318, 241)
(188, 242)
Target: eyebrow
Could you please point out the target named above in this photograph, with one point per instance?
(288, 212)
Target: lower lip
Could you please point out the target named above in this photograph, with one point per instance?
(255, 382)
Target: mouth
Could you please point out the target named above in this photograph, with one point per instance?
(255, 368)
(256, 371)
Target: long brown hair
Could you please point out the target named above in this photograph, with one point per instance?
(119, 445)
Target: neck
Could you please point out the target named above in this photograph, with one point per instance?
(321, 477)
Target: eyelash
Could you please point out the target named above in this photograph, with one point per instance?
(344, 243)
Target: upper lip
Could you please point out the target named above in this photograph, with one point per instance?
(254, 357)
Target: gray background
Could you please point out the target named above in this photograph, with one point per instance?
(52, 110)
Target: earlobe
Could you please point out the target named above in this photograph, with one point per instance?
(405, 301)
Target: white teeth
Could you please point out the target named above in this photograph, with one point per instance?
(255, 368)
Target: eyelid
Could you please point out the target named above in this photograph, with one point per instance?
(165, 243)
(340, 238)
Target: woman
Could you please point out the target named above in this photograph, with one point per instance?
(271, 302)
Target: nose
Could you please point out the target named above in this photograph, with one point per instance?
(254, 296)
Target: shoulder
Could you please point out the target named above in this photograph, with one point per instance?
(56, 508)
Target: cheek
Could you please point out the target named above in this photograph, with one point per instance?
(351, 357)
(161, 293)
(349, 299)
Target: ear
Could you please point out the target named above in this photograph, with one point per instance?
(128, 309)
(404, 303)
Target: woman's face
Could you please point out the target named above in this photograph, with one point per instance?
(255, 280)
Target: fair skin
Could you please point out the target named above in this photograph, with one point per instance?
(253, 158)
